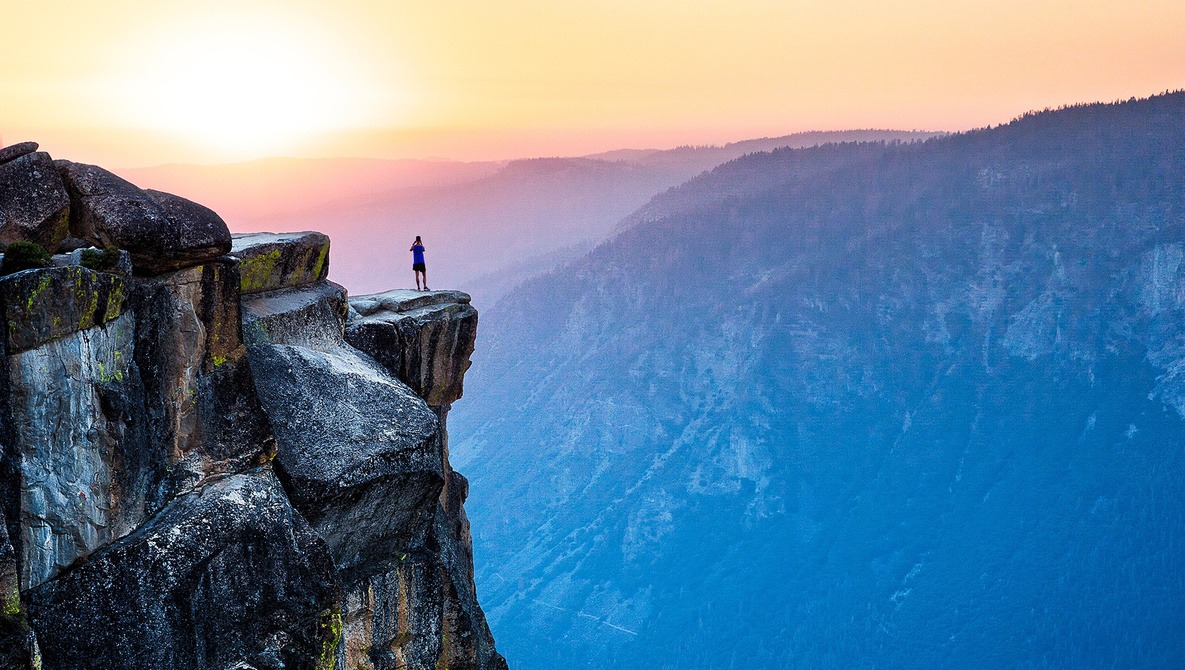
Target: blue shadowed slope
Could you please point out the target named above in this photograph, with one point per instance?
(869, 406)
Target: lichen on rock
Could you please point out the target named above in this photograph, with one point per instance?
(271, 261)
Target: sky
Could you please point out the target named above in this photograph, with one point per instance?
(129, 83)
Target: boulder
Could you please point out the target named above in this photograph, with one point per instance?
(163, 232)
(356, 451)
(271, 261)
(309, 316)
(34, 203)
(43, 305)
(202, 411)
(423, 338)
(14, 151)
(226, 576)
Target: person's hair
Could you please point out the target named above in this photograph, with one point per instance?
(417, 238)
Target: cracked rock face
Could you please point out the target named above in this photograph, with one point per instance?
(75, 407)
(359, 453)
(203, 413)
(228, 573)
(357, 450)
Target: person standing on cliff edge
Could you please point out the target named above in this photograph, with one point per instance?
(417, 263)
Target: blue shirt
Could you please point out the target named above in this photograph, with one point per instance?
(417, 251)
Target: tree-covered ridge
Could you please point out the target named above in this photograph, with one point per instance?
(862, 405)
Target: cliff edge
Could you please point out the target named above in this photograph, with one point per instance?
(213, 457)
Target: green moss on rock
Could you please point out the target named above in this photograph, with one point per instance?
(43, 305)
(331, 628)
(269, 261)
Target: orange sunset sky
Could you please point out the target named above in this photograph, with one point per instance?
(139, 82)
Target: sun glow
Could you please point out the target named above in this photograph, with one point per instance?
(245, 89)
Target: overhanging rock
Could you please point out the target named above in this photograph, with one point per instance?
(358, 452)
(423, 338)
(162, 231)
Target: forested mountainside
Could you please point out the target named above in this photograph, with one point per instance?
(866, 406)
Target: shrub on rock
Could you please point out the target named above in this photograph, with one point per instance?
(100, 261)
(24, 256)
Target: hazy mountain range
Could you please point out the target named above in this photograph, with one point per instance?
(487, 226)
(852, 406)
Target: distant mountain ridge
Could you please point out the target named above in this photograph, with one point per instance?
(859, 405)
(478, 219)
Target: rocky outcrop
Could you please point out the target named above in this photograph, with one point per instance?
(203, 413)
(423, 338)
(426, 609)
(228, 574)
(14, 151)
(198, 471)
(357, 450)
(34, 204)
(162, 231)
(271, 261)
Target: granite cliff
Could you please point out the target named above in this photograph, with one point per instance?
(213, 457)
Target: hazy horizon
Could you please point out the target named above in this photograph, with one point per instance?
(133, 84)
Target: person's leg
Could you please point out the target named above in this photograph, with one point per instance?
(426, 280)
(417, 279)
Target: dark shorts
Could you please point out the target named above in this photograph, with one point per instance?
(418, 267)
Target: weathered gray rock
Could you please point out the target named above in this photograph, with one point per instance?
(34, 204)
(202, 409)
(424, 612)
(309, 316)
(75, 411)
(14, 151)
(271, 261)
(228, 574)
(423, 338)
(162, 231)
(409, 597)
(357, 450)
(79, 462)
(43, 305)
(18, 643)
